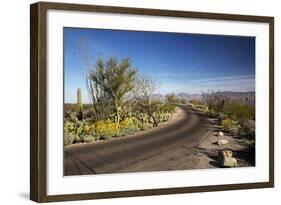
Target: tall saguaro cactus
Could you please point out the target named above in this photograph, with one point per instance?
(79, 105)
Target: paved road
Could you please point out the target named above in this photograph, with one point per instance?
(170, 147)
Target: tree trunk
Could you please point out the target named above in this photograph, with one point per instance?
(117, 114)
(155, 123)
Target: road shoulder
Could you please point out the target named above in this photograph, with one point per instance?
(177, 116)
(208, 150)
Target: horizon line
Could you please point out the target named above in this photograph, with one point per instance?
(176, 93)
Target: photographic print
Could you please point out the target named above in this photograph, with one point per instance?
(135, 102)
(143, 101)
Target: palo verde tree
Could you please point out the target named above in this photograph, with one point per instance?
(110, 81)
(102, 108)
(107, 81)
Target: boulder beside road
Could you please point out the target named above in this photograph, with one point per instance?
(222, 142)
(226, 160)
(220, 134)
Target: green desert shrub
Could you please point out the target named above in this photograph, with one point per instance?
(195, 102)
(183, 101)
(128, 126)
(87, 130)
(167, 107)
(68, 139)
(162, 116)
(239, 110)
(143, 117)
(247, 129)
(75, 131)
(144, 125)
(198, 105)
(212, 113)
(231, 126)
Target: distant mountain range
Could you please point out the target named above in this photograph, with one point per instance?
(245, 97)
(184, 96)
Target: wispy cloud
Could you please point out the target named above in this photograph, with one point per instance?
(224, 83)
(226, 78)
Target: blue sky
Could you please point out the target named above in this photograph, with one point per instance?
(189, 63)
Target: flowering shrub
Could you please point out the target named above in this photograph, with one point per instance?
(76, 131)
(105, 129)
(231, 126)
(128, 126)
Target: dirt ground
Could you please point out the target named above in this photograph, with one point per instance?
(243, 150)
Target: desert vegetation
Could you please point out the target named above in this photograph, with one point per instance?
(237, 116)
(122, 103)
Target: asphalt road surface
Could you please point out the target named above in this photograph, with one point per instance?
(170, 147)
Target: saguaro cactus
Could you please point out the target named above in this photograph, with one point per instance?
(79, 105)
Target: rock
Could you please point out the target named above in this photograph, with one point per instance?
(222, 141)
(230, 162)
(226, 160)
(220, 134)
(223, 154)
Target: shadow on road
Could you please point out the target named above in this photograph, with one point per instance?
(80, 166)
